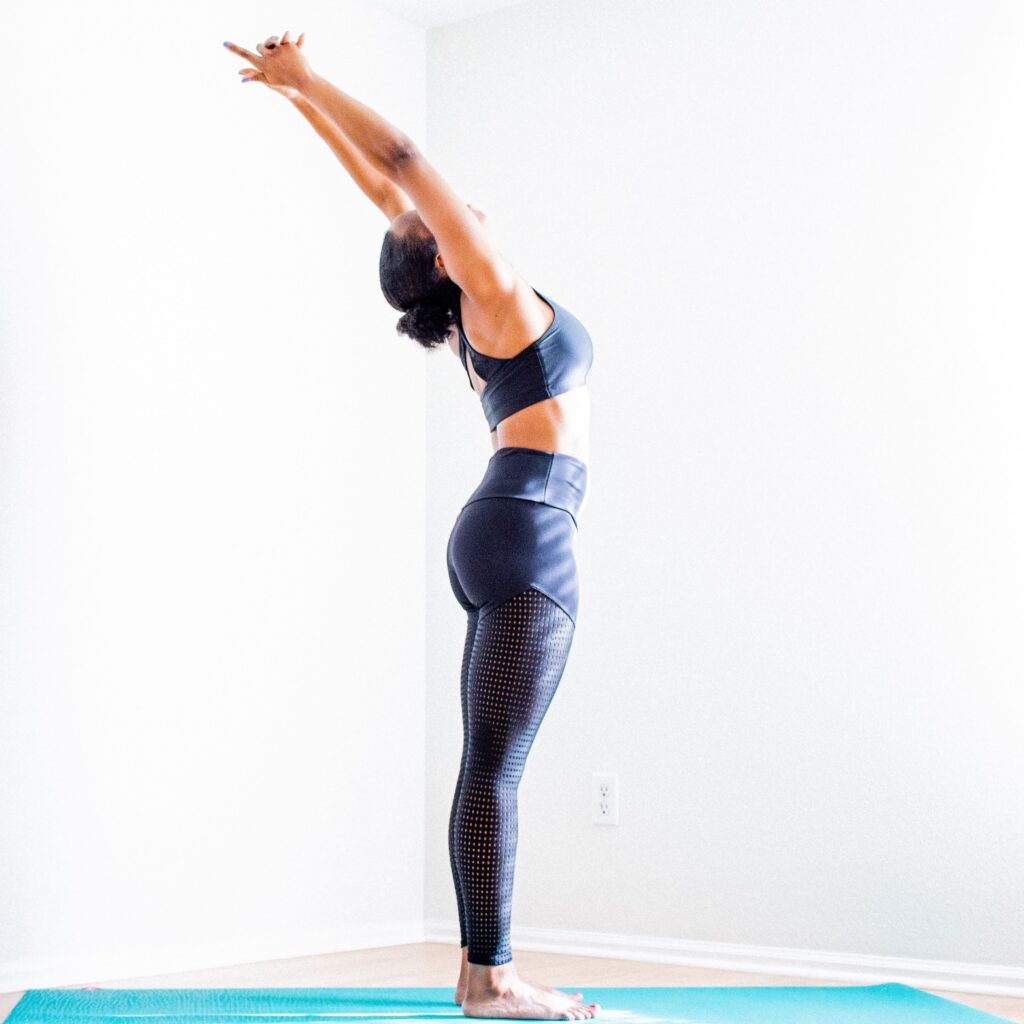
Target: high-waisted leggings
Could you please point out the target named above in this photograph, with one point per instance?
(512, 567)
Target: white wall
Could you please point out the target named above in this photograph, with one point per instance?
(793, 230)
(212, 478)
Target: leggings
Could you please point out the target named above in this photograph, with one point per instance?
(512, 567)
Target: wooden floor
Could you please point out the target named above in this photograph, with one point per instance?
(434, 964)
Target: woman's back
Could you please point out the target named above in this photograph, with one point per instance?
(528, 346)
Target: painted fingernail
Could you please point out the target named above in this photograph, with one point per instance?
(225, 42)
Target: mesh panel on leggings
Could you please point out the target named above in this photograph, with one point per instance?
(467, 651)
(518, 655)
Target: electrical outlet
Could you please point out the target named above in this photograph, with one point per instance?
(605, 799)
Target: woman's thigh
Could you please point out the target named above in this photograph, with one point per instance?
(501, 546)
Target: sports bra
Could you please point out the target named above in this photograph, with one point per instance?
(556, 362)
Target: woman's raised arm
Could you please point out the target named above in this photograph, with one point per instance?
(471, 259)
(380, 190)
(282, 67)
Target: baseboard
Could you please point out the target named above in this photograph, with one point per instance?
(949, 976)
(985, 979)
(56, 972)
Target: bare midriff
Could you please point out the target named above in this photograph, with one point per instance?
(559, 424)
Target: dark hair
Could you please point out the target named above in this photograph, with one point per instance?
(412, 282)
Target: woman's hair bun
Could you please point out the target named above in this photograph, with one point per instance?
(427, 323)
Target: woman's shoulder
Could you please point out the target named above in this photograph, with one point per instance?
(504, 324)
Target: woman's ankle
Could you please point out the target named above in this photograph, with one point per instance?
(490, 978)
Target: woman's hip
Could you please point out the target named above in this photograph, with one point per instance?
(517, 530)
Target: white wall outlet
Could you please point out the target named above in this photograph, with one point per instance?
(605, 799)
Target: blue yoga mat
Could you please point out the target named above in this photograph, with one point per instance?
(857, 1004)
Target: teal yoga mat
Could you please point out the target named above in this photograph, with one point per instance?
(855, 1004)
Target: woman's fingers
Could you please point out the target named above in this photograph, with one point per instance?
(250, 75)
(265, 48)
(243, 52)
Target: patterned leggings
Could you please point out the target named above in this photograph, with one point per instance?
(512, 567)
(511, 667)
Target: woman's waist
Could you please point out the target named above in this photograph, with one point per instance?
(557, 424)
(554, 478)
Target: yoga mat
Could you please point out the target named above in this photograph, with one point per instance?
(855, 1004)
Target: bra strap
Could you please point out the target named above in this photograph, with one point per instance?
(462, 356)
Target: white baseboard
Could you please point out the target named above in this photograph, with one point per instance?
(56, 972)
(985, 979)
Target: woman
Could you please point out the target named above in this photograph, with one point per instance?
(510, 554)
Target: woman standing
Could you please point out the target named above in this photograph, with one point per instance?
(511, 559)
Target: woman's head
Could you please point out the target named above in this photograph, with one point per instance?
(413, 280)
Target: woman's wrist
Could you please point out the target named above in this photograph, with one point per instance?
(305, 87)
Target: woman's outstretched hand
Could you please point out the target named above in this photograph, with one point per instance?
(279, 64)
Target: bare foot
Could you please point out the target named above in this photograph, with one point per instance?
(512, 997)
(460, 988)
